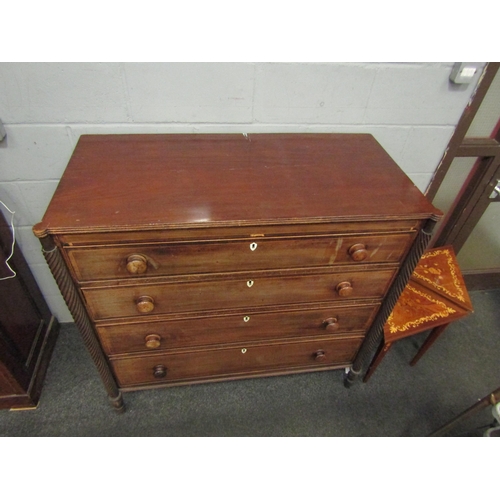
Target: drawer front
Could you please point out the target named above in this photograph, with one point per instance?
(158, 335)
(95, 263)
(233, 361)
(144, 300)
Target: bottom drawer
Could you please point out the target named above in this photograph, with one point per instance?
(233, 361)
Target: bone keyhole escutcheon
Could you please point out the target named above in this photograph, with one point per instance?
(249, 283)
(253, 246)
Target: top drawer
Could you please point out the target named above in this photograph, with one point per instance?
(215, 256)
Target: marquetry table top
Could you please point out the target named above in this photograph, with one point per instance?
(435, 295)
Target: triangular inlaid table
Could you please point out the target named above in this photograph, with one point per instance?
(434, 297)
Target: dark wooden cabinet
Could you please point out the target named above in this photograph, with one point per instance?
(28, 330)
(195, 258)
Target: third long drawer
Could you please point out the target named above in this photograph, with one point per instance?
(198, 330)
(234, 292)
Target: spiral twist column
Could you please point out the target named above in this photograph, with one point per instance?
(375, 333)
(70, 294)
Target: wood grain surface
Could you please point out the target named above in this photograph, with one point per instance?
(138, 181)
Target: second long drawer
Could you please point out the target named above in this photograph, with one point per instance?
(235, 293)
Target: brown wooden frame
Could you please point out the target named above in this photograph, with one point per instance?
(28, 330)
(473, 198)
(457, 140)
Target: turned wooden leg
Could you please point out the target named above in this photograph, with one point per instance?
(68, 290)
(433, 336)
(379, 356)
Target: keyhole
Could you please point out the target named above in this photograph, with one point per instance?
(243, 350)
(246, 319)
(250, 283)
(253, 246)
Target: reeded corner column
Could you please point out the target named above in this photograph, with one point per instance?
(375, 334)
(70, 294)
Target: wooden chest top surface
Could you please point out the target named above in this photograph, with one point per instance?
(138, 182)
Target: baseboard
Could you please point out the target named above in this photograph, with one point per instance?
(481, 280)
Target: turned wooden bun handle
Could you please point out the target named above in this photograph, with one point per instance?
(137, 264)
(319, 355)
(145, 304)
(331, 324)
(358, 252)
(344, 289)
(153, 341)
(160, 371)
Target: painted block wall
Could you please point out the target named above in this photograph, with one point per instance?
(410, 108)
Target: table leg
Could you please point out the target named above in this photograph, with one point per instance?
(381, 352)
(433, 336)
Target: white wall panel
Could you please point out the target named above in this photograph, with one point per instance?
(62, 93)
(312, 93)
(34, 152)
(416, 95)
(11, 195)
(37, 196)
(190, 92)
(424, 148)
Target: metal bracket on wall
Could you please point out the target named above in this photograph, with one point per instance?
(463, 73)
(2, 131)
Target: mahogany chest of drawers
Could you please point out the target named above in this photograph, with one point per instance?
(194, 258)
